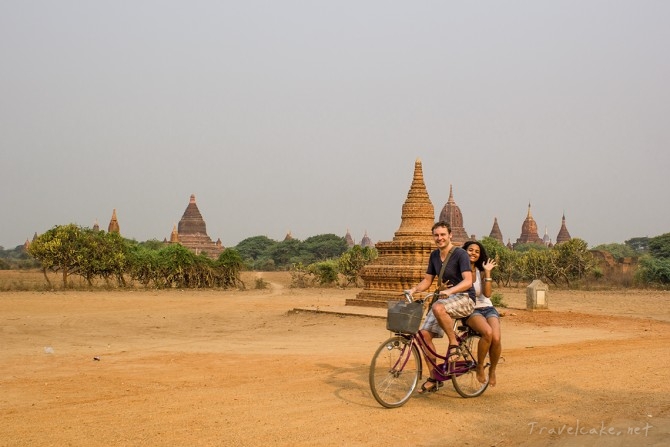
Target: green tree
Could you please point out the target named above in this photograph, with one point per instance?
(253, 248)
(534, 264)
(351, 263)
(576, 256)
(509, 268)
(325, 272)
(523, 248)
(175, 265)
(639, 244)
(285, 253)
(143, 264)
(264, 265)
(654, 267)
(325, 246)
(101, 254)
(618, 251)
(58, 250)
(152, 244)
(230, 266)
(653, 271)
(659, 246)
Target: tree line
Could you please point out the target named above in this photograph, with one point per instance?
(102, 256)
(74, 250)
(318, 260)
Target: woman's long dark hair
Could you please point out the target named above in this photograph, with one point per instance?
(483, 257)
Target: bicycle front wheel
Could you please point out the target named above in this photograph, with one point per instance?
(394, 371)
(465, 381)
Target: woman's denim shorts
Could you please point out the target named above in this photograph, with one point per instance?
(486, 312)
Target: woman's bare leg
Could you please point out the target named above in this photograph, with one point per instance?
(495, 349)
(481, 325)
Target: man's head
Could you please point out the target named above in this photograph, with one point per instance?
(442, 224)
(442, 235)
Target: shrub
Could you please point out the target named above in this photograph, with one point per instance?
(497, 299)
(325, 272)
(300, 276)
(261, 283)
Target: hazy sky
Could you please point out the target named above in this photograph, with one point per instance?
(307, 116)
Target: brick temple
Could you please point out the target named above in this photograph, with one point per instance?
(451, 214)
(191, 232)
(563, 233)
(529, 234)
(495, 231)
(401, 263)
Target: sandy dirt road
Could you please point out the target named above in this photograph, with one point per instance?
(211, 368)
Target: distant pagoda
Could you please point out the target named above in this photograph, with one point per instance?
(495, 231)
(563, 233)
(113, 226)
(546, 239)
(451, 214)
(348, 239)
(192, 232)
(366, 241)
(529, 233)
(401, 263)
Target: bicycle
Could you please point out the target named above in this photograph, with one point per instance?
(397, 368)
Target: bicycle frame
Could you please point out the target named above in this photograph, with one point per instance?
(445, 371)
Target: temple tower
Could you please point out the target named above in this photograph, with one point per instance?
(546, 239)
(113, 224)
(452, 215)
(401, 263)
(495, 231)
(192, 232)
(174, 236)
(191, 222)
(366, 241)
(529, 231)
(563, 234)
(348, 239)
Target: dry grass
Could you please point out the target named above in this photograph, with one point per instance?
(33, 280)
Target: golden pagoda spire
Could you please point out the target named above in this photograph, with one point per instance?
(418, 214)
(174, 236)
(113, 224)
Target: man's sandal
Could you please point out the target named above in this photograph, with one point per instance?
(436, 385)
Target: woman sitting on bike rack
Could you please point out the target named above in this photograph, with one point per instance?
(457, 295)
(485, 318)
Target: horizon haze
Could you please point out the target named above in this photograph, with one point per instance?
(308, 116)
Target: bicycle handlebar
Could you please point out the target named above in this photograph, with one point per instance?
(410, 298)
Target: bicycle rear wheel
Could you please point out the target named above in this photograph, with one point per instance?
(394, 371)
(465, 382)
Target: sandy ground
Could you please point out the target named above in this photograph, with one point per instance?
(246, 368)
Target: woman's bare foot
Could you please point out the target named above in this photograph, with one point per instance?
(492, 377)
(481, 374)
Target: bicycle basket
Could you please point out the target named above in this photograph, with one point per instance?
(404, 317)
